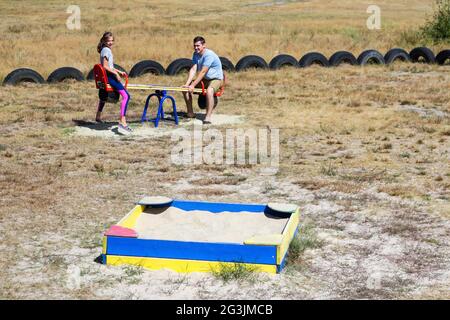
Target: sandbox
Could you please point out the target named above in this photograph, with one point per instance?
(191, 236)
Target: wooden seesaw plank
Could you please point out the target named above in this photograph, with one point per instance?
(160, 87)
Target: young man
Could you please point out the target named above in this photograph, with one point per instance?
(209, 69)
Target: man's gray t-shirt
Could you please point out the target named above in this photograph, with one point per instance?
(211, 60)
(106, 52)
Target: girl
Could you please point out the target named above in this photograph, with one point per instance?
(107, 61)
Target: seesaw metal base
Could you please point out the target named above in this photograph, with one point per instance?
(162, 96)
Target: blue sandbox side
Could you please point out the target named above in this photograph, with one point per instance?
(225, 252)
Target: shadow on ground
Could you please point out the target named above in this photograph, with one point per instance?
(109, 125)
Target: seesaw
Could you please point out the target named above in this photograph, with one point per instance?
(160, 88)
(160, 92)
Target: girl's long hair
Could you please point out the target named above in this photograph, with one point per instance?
(103, 40)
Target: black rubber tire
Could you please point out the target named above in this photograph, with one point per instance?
(442, 57)
(227, 65)
(396, 54)
(313, 58)
(23, 75)
(283, 60)
(201, 101)
(341, 57)
(110, 97)
(422, 52)
(251, 61)
(90, 75)
(147, 66)
(370, 57)
(179, 65)
(65, 73)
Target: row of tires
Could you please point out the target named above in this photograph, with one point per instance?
(421, 54)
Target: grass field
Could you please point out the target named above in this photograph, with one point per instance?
(364, 151)
(34, 33)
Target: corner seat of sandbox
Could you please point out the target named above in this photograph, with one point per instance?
(265, 240)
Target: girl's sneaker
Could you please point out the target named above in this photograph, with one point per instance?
(124, 129)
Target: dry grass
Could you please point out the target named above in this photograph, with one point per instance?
(369, 175)
(34, 34)
(55, 180)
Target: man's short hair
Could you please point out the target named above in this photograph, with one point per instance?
(199, 38)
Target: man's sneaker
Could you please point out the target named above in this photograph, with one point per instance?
(124, 129)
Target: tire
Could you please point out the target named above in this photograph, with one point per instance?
(442, 57)
(424, 53)
(179, 65)
(90, 75)
(65, 73)
(147, 66)
(251, 61)
(370, 57)
(341, 57)
(111, 97)
(23, 75)
(227, 65)
(283, 60)
(396, 54)
(201, 101)
(313, 58)
(116, 66)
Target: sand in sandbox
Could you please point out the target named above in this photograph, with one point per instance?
(204, 226)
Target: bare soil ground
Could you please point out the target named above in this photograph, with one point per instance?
(364, 152)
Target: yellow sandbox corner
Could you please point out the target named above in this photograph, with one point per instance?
(288, 234)
(129, 221)
(265, 240)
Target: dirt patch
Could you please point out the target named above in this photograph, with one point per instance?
(165, 128)
(424, 112)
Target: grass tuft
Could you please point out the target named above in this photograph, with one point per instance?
(306, 238)
(328, 170)
(234, 272)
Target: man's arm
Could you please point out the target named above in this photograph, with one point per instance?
(191, 76)
(208, 61)
(200, 76)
